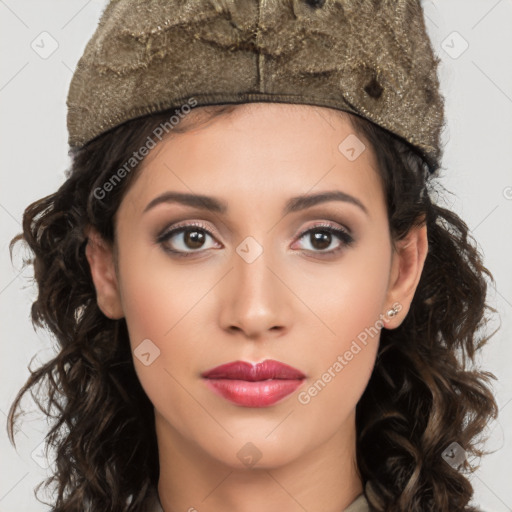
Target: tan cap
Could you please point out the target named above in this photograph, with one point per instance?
(368, 57)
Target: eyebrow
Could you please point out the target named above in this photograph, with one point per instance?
(294, 204)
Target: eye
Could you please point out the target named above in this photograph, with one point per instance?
(180, 239)
(323, 236)
(185, 240)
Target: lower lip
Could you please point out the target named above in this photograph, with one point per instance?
(253, 394)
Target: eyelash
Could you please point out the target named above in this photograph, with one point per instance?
(346, 239)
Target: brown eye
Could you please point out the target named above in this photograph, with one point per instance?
(322, 237)
(185, 240)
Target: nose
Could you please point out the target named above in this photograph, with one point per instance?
(255, 302)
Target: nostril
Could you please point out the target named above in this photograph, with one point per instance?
(315, 3)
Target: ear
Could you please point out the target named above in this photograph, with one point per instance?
(100, 256)
(408, 259)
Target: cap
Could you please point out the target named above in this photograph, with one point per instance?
(372, 58)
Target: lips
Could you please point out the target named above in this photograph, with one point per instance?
(250, 385)
(243, 370)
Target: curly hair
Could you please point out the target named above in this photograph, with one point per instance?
(425, 391)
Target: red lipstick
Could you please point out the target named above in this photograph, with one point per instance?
(250, 385)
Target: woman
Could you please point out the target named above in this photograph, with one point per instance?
(258, 304)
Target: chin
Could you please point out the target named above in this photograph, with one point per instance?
(257, 452)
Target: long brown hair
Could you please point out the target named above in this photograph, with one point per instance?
(424, 394)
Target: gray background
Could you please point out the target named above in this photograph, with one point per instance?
(477, 169)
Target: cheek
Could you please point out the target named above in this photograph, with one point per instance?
(161, 320)
(330, 397)
(159, 296)
(349, 295)
(159, 307)
(341, 366)
(350, 301)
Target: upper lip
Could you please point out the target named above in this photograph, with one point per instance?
(243, 370)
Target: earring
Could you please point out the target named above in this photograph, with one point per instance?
(392, 312)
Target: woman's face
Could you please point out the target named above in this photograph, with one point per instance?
(260, 277)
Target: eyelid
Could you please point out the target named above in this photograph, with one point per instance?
(325, 224)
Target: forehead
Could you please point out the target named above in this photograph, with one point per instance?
(260, 152)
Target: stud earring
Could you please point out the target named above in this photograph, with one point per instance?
(392, 312)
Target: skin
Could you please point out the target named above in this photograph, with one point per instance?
(290, 304)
